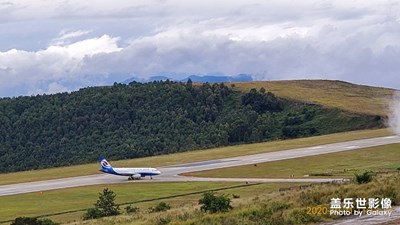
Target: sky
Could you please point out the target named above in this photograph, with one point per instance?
(50, 46)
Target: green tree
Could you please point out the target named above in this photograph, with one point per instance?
(106, 203)
(105, 206)
(262, 101)
(213, 204)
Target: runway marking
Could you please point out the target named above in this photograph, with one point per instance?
(259, 160)
(389, 137)
(203, 163)
(351, 147)
(316, 147)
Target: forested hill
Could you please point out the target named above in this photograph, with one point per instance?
(137, 120)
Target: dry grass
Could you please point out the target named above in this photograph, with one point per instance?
(289, 207)
(336, 94)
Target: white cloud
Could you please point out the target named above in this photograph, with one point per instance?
(41, 71)
(66, 36)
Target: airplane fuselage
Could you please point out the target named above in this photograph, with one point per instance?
(132, 173)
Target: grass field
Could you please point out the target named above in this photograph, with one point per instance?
(35, 204)
(336, 94)
(288, 207)
(191, 156)
(342, 164)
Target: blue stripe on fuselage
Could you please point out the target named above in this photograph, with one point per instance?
(109, 170)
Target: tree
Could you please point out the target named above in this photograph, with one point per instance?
(262, 101)
(106, 203)
(105, 206)
(213, 204)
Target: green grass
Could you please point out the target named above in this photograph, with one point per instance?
(47, 202)
(191, 156)
(34, 204)
(336, 94)
(342, 164)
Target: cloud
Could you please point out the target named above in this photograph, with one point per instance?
(101, 42)
(66, 36)
(394, 117)
(46, 70)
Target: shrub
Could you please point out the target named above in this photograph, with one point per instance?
(47, 221)
(213, 204)
(92, 213)
(25, 221)
(363, 178)
(162, 206)
(32, 221)
(130, 209)
(235, 196)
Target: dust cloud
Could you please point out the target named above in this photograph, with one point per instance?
(394, 117)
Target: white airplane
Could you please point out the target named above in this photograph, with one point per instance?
(133, 173)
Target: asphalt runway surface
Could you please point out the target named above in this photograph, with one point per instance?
(171, 173)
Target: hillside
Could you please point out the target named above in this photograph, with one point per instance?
(138, 120)
(328, 93)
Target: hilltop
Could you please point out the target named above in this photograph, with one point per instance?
(329, 93)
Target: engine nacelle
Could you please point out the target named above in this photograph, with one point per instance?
(136, 176)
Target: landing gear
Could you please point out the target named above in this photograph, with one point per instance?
(134, 178)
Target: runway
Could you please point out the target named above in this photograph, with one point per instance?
(171, 173)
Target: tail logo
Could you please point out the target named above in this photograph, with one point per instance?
(105, 164)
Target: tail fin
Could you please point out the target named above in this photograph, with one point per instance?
(105, 166)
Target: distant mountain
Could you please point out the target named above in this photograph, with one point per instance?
(158, 78)
(132, 80)
(196, 78)
(212, 79)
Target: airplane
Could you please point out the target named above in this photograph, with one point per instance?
(133, 173)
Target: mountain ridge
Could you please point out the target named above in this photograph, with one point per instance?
(211, 78)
